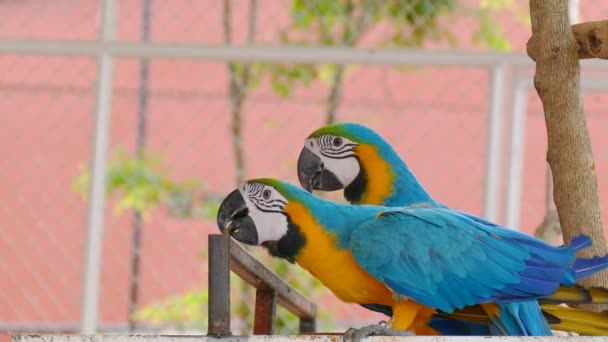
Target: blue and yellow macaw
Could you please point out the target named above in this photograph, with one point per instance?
(359, 161)
(414, 260)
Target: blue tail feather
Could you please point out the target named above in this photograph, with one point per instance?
(586, 267)
(523, 319)
(580, 242)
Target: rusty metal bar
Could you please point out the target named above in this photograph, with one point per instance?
(265, 312)
(219, 286)
(226, 255)
(308, 326)
(259, 276)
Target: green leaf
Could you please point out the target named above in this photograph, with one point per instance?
(142, 184)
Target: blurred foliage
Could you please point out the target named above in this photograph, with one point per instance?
(404, 23)
(183, 312)
(143, 184)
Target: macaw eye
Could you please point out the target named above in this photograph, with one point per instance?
(337, 141)
(266, 194)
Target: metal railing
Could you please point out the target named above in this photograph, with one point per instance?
(226, 255)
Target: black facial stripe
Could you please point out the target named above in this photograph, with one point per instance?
(268, 203)
(273, 208)
(256, 189)
(265, 205)
(280, 211)
(325, 141)
(341, 155)
(338, 152)
(262, 204)
(327, 148)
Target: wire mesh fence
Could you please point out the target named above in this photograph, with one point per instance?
(172, 155)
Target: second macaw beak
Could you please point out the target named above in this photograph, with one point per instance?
(313, 175)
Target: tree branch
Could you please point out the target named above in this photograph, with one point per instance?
(557, 81)
(591, 38)
(351, 35)
(549, 230)
(251, 32)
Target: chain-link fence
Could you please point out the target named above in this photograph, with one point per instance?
(172, 154)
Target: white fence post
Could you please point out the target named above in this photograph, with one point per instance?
(103, 107)
(494, 141)
(515, 165)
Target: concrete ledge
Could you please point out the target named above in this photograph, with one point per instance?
(293, 338)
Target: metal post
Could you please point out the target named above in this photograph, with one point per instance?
(515, 164)
(265, 312)
(92, 264)
(493, 141)
(219, 286)
(308, 326)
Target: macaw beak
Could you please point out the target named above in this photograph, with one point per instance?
(313, 175)
(233, 219)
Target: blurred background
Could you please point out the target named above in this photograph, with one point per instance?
(222, 96)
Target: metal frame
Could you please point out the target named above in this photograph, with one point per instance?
(226, 255)
(279, 54)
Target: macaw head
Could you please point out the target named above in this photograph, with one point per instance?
(351, 157)
(355, 158)
(255, 214)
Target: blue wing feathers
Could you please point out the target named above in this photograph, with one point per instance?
(447, 259)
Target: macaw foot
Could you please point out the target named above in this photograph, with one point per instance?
(357, 335)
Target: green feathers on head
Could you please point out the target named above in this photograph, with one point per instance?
(341, 129)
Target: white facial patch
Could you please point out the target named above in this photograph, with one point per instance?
(345, 169)
(266, 213)
(340, 160)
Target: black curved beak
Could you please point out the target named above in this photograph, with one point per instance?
(233, 219)
(313, 175)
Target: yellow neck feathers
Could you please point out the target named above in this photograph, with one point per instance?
(379, 175)
(334, 267)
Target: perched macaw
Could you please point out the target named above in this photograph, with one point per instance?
(357, 159)
(414, 260)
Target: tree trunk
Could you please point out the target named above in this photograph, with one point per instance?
(557, 81)
(335, 94)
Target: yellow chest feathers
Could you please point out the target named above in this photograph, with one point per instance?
(334, 267)
(379, 175)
